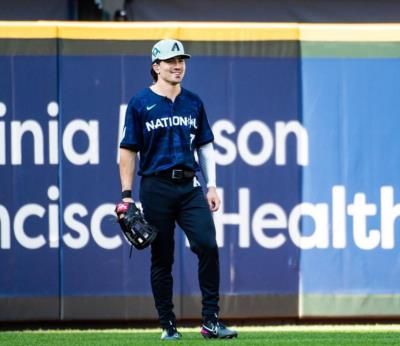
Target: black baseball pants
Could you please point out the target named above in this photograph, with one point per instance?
(167, 201)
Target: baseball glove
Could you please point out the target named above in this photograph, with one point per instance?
(134, 226)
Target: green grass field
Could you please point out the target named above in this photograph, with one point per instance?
(285, 335)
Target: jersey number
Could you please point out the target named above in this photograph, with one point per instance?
(192, 136)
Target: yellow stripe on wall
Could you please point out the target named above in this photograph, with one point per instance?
(201, 31)
(28, 30)
(197, 31)
(181, 31)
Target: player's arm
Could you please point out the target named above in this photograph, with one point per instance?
(208, 168)
(126, 170)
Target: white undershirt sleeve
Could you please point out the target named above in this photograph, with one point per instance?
(207, 164)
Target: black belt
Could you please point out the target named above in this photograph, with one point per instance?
(176, 174)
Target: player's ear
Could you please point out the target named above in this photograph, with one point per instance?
(156, 67)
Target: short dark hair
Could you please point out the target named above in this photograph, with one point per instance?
(153, 73)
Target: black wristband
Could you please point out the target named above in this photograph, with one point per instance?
(126, 194)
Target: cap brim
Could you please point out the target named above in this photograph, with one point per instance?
(184, 56)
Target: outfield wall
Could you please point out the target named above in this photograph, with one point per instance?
(305, 119)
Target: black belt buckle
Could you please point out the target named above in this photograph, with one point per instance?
(177, 174)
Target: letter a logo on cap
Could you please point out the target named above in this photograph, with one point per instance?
(175, 47)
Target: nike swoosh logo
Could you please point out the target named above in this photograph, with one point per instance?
(211, 330)
(151, 107)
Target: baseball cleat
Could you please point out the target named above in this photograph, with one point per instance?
(171, 333)
(213, 329)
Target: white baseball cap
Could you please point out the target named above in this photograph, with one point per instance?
(166, 49)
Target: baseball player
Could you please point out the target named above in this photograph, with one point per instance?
(166, 124)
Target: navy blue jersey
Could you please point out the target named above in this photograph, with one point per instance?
(165, 133)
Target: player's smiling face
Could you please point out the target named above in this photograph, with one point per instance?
(171, 70)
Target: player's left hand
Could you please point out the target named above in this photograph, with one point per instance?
(212, 198)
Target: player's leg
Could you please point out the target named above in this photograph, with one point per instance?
(158, 209)
(196, 220)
